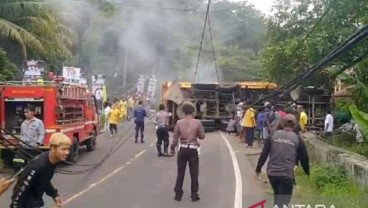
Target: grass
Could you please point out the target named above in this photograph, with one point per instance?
(347, 141)
(328, 185)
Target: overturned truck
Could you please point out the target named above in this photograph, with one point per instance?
(214, 103)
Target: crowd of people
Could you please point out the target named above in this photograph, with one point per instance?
(250, 124)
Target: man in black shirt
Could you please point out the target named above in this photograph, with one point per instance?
(37, 175)
(284, 147)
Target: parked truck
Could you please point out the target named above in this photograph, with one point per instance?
(63, 107)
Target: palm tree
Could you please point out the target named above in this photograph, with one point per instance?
(34, 26)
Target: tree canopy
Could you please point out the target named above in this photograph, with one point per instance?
(158, 37)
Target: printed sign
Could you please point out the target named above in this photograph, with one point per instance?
(71, 74)
(98, 81)
(32, 70)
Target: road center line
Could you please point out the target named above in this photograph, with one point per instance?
(238, 200)
(104, 178)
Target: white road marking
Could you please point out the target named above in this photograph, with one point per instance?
(104, 178)
(238, 200)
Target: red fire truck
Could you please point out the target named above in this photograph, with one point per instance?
(63, 107)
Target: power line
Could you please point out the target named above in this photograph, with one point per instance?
(213, 50)
(348, 44)
(156, 7)
(200, 45)
(308, 34)
(299, 77)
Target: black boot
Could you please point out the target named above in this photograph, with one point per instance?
(159, 150)
(195, 197)
(166, 147)
(177, 197)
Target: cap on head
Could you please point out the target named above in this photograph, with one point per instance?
(289, 120)
(58, 139)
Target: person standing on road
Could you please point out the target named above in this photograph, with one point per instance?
(186, 132)
(303, 118)
(32, 134)
(239, 119)
(36, 177)
(162, 122)
(249, 123)
(284, 147)
(139, 115)
(114, 118)
(329, 123)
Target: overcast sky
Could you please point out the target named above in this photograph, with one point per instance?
(262, 5)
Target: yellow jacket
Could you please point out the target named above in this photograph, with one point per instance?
(123, 107)
(114, 117)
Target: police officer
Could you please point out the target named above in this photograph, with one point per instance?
(139, 115)
(162, 120)
(32, 133)
(186, 132)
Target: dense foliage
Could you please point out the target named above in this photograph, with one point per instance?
(326, 23)
(123, 39)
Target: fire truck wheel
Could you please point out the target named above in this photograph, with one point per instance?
(91, 144)
(74, 151)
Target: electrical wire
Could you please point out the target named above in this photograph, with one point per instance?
(336, 54)
(213, 50)
(356, 38)
(202, 38)
(308, 34)
(108, 155)
(156, 7)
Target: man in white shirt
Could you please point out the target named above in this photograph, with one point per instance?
(329, 122)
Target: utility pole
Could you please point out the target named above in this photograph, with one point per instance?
(125, 67)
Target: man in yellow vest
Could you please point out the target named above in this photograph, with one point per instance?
(123, 109)
(249, 123)
(303, 118)
(130, 107)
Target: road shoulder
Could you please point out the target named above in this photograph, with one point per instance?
(254, 190)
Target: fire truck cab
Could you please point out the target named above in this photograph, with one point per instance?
(63, 107)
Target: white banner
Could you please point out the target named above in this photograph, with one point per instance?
(32, 70)
(98, 81)
(71, 74)
(140, 84)
(151, 87)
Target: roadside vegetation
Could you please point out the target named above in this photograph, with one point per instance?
(347, 141)
(328, 185)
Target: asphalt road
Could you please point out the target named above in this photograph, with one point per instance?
(134, 177)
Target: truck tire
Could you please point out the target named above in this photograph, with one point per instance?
(209, 129)
(91, 143)
(208, 123)
(74, 151)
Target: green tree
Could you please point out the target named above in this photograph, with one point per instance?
(286, 55)
(7, 69)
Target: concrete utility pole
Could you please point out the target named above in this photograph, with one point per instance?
(125, 67)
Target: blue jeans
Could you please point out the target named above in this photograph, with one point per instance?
(249, 135)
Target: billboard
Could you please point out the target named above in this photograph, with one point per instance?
(98, 82)
(140, 84)
(32, 70)
(72, 74)
(151, 87)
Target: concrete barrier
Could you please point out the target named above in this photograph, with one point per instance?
(355, 165)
